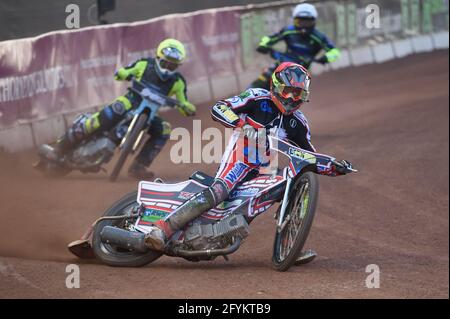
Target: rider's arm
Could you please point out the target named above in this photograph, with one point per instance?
(135, 69)
(228, 111)
(223, 113)
(179, 90)
(302, 135)
(303, 140)
(331, 52)
(268, 41)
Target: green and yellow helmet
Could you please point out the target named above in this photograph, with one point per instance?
(169, 55)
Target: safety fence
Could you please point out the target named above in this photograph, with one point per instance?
(46, 79)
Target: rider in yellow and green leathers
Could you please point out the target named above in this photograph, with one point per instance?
(159, 71)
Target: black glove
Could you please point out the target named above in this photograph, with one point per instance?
(322, 60)
(343, 167)
(263, 50)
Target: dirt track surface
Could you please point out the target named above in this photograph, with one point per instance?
(390, 120)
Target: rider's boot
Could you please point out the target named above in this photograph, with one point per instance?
(161, 231)
(81, 128)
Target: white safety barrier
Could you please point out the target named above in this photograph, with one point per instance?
(383, 52)
(343, 62)
(402, 47)
(360, 56)
(440, 40)
(48, 129)
(422, 43)
(17, 138)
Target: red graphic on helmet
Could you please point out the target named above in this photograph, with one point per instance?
(289, 87)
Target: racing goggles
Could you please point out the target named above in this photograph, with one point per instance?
(296, 94)
(297, 88)
(172, 54)
(304, 22)
(168, 65)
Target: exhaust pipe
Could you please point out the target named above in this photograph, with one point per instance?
(135, 241)
(47, 152)
(210, 252)
(124, 239)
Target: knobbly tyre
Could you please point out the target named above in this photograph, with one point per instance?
(127, 136)
(117, 238)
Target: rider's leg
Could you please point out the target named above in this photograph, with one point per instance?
(189, 210)
(104, 120)
(159, 134)
(230, 173)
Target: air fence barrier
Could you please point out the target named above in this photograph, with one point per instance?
(46, 80)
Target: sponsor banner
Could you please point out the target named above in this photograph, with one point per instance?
(69, 71)
(65, 71)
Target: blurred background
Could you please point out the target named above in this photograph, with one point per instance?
(22, 18)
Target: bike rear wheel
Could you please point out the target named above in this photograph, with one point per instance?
(128, 145)
(114, 256)
(297, 222)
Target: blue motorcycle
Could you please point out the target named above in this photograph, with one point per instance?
(127, 136)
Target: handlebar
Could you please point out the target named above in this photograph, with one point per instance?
(285, 57)
(152, 92)
(348, 168)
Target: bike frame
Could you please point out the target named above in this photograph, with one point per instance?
(165, 198)
(147, 106)
(299, 161)
(152, 100)
(284, 57)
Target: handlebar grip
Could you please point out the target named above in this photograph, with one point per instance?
(348, 169)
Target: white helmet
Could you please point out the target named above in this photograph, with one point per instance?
(305, 10)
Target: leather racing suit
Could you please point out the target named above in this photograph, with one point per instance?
(112, 114)
(254, 106)
(303, 47)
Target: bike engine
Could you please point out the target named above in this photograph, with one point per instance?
(216, 235)
(89, 156)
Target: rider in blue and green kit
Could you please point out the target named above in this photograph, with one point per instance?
(303, 41)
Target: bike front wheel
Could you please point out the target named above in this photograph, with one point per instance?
(289, 241)
(128, 145)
